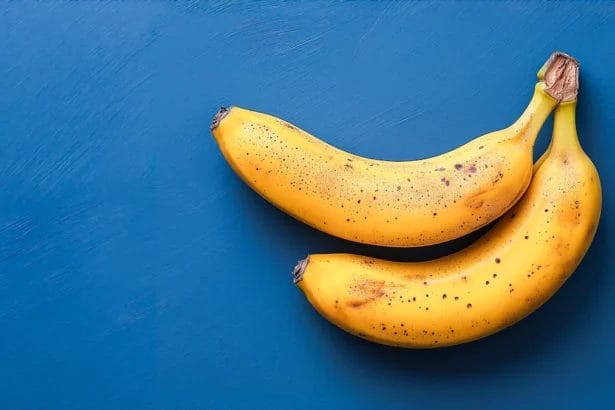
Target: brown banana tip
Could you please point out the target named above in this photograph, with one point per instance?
(299, 269)
(219, 116)
(561, 76)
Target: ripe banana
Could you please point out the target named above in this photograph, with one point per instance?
(495, 282)
(388, 203)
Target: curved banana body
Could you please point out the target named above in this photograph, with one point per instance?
(389, 203)
(495, 282)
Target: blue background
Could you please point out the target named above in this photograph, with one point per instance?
(137, 271)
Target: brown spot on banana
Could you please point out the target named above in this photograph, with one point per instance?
(525, 127)
(497, 178)
(476, 200)
(366, 291)
(287, 124)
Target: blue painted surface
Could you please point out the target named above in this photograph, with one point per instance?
(137, 271)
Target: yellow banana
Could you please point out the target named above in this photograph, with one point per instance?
(388, 203)
(495, 282)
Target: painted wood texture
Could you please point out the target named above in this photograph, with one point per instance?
(137, 271)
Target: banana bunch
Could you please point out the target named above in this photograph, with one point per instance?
(548, 211)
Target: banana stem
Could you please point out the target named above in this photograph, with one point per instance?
(530, 122)
(564, 127)
(559, 83)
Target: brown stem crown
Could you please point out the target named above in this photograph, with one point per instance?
(561, 76)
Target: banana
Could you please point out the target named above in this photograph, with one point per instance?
(389, 203)
(504, 276)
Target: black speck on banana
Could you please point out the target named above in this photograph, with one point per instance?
(392, 203)
(504, 276)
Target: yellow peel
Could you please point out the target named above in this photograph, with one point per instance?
(389, 203)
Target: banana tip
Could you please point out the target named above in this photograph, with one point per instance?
(299, 269)
(219, 116)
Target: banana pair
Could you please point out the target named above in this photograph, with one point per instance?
(544, 232)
